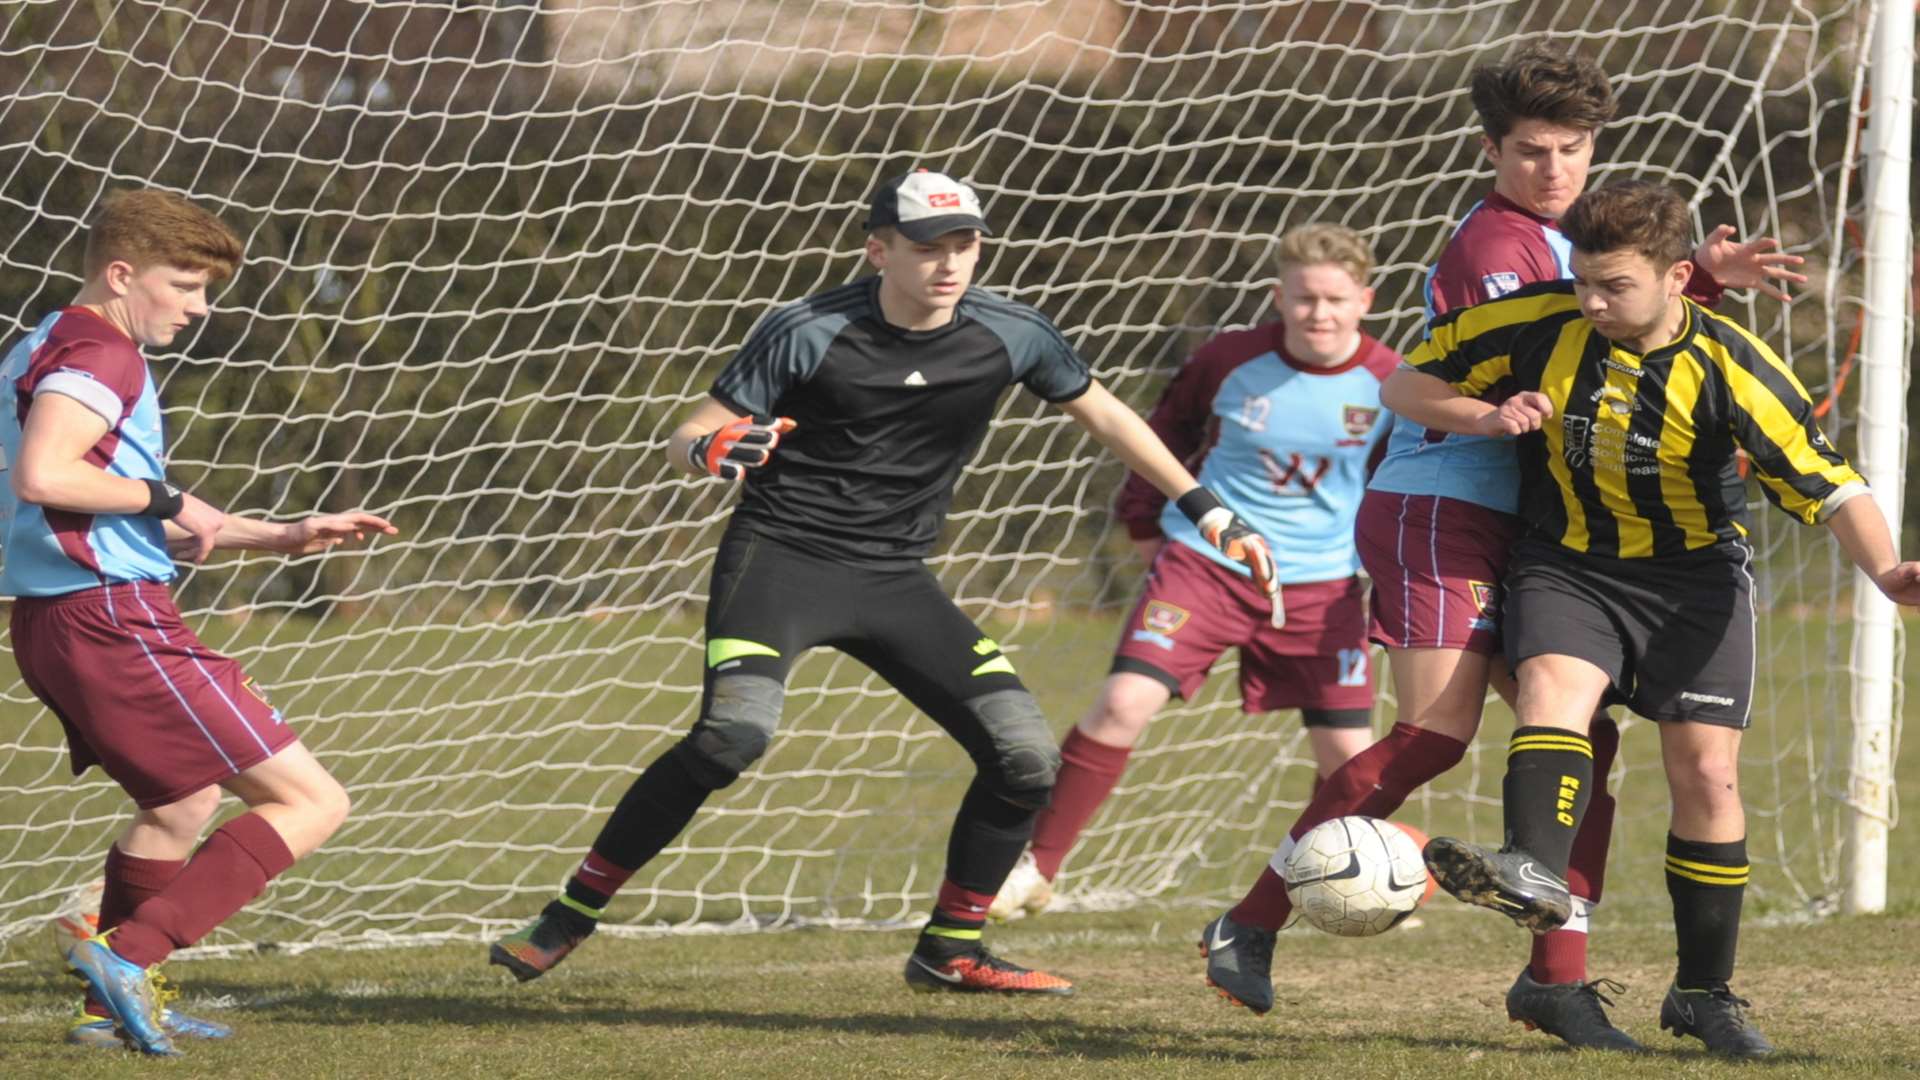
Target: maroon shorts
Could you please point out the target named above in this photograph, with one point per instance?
(1193, 609)
(138, 693)
(1436, 565)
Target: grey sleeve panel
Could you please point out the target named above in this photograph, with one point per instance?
(782, 352)
(1042, 359)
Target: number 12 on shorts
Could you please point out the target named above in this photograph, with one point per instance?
(1353, 667)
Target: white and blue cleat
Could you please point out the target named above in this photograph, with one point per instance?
(102, 1033)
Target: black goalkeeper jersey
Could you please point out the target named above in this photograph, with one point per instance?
(886, 417)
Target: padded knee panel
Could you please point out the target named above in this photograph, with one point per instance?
(741, 717)
(1026, 759)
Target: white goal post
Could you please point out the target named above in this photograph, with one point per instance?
(496, 249)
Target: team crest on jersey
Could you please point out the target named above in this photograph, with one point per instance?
(1500, 283)
(1359, 418)
(1162, 617)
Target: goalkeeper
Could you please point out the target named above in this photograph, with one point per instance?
(883, 389)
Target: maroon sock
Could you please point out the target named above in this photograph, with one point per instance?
(960, 912)
(597, 879)
(1373, 782)
(1088, 771)
(1561, 956)
(131, 881)
(231, 868)
(1266, 904)
(1587, 868)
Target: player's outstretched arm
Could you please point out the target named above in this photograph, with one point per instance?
(716, 441)
(1862, 531)
(51, 470)
(1121, 430)
(307, 536)
(1750, 264)
(1434, 403)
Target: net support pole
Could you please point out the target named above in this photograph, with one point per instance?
(1882, 450)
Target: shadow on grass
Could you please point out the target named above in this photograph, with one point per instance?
(1038, 1030)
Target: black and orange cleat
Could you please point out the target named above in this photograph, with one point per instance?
(979, 971)
(1240, 963)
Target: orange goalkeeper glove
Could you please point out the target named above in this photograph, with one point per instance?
(729, 450)
(1235, 539)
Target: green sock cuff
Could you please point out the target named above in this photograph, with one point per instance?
(591, 913)
(955, 932)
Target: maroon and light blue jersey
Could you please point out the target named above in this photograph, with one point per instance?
(1498, 248)
(1286, 446)
(79, 355)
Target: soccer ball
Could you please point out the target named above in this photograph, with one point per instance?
(1357, 876)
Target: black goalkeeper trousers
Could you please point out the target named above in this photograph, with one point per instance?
(769, 603)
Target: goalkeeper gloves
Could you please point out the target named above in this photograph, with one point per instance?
(1224, 530)
(729, 450)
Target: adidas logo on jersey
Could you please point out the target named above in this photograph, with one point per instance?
(916, 379)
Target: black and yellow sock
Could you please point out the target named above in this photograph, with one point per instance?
(1707, 883)
(1545, 792)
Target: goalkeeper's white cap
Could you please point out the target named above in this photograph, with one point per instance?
(926, 206)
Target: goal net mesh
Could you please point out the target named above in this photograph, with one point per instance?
(495, 250)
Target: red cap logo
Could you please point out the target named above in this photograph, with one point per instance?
(944, 199)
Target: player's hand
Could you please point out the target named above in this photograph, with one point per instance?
(729, 450)
(1528, 410)
(1234, 538)
(323, 531)
(1751, 265)
(203, 522)
(1901, 584)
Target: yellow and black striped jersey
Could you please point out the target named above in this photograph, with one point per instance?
(1638, 459)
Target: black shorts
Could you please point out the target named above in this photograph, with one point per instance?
(1674, 635)
(771, 602)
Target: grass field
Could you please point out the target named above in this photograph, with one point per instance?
(1836, 995)
(1834, 992)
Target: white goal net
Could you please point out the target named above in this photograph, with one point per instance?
(495, 249)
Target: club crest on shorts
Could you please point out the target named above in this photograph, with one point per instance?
(1359, 419)
(1162, 617)
(1486, 601)
(252, 687)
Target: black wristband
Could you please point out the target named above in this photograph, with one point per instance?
(1197, 503)
(164, 500)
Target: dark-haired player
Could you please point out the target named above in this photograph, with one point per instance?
(1439, 518)
(1633, 580)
